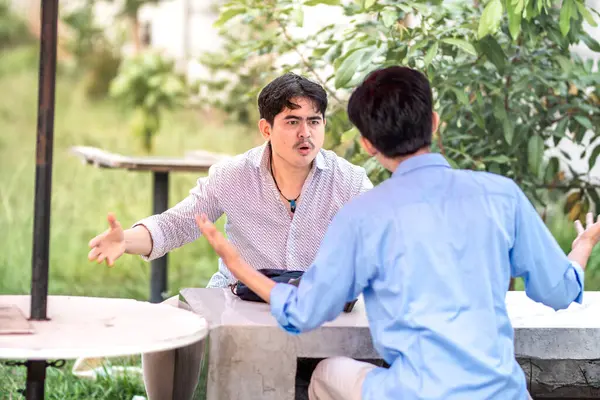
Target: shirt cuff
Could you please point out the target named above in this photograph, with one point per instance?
(580, 278)
(158, 238)
(281, 295)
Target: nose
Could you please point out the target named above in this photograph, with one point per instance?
(304, 131)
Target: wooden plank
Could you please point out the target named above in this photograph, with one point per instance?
(199, 162)
(13, 321)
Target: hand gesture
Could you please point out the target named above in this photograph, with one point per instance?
(591, 234)
(109, 245)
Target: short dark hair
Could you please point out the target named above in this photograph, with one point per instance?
(278, 94)
(393, 110)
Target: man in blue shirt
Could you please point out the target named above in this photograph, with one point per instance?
(432, 250)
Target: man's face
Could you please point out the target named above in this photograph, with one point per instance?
(296, 135)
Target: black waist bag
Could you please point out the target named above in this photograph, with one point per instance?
(278, 275)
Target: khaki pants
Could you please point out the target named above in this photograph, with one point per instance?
(159, 368)
(339, 378)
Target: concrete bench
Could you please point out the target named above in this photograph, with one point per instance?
(250, 357)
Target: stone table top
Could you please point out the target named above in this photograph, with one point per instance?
(99, 327)
(539, 330)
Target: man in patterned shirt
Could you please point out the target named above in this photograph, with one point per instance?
(278, 198)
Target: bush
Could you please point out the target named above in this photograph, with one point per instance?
(13, 29)
(102, 67)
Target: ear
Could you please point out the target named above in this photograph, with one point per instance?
(265, 129)
(435, 122)
(369, 148)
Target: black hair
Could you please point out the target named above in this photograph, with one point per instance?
(393, 110)
(278, 95)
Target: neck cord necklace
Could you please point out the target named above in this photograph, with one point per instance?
(292, 201)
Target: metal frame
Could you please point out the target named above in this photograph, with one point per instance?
(36, 369)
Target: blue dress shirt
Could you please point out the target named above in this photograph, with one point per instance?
(432, 249)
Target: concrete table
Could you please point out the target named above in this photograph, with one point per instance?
(94, 327)
(250, 357)
(194, 161)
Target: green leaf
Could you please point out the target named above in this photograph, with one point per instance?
(501, 159)
(326, 2)
(228, 14)
(389, 17)
(461, 96)
(593, 193)
(585, 122)
(590, 42)
(551, 170)
(298, 16)
(535, 152)
(586, 14)
(565, 63)
(368, 4)
(493, 52)
(509, 130)
(431, 53)
(514, 23)
(350, 66)
(594, 158)
(566, 13)
(461, 44)
(490, 19)
(350, 134)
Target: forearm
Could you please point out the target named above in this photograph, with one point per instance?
(581, 253)
(138, 241)
(257, 282)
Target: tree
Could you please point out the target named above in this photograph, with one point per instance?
(505, 83)
(130, 10)
(148, 85)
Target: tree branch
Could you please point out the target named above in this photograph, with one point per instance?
(306, 63)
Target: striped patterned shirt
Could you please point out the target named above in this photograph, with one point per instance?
(258, 223)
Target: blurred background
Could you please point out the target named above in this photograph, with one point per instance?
(516, 83)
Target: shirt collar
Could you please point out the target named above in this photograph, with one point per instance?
(262, 157)
(421, 161)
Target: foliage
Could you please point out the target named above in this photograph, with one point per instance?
(13, 29)
(148, 85)
(93, 52)
(505, 83)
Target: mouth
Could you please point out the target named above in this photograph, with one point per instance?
(304, 148)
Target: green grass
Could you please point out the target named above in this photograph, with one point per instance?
(61, 384)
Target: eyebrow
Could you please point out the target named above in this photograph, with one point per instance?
(294, 117)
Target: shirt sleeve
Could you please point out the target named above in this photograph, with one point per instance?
(177, 226)
(338, 275)
(549, 276)
(366, 183)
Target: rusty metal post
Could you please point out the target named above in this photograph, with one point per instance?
(43, 159)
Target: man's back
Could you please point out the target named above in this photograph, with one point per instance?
(443, 245)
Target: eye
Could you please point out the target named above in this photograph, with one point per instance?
(315, 122)
(293, 122)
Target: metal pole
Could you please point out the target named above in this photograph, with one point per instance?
(36, 375)
(43, 160)
(158, 278)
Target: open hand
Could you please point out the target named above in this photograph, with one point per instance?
(222, 246)
(110, 245)
(591, 234)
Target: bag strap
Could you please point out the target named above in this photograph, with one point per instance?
(233, 286)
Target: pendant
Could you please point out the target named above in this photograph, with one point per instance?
(292, 205)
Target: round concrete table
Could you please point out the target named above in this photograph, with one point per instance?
(93, 327)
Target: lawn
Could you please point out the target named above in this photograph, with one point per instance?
(81, 197)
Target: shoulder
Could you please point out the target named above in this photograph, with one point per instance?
(341, 169)
(239, 165)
